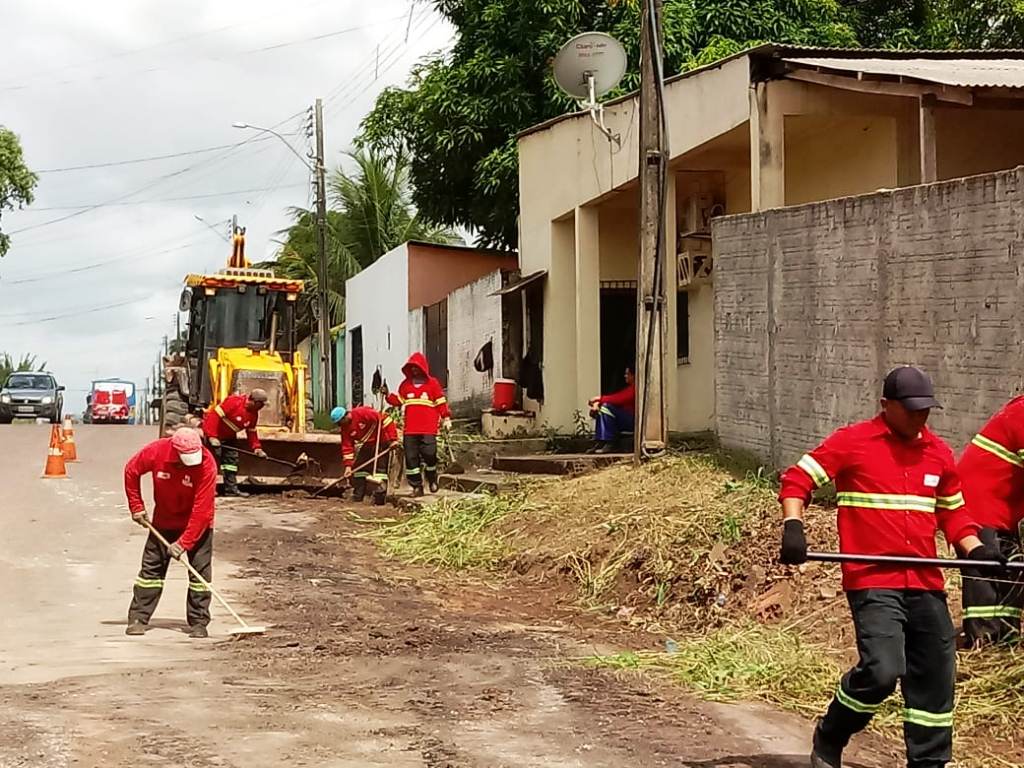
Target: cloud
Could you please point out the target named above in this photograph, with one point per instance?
(105, 81)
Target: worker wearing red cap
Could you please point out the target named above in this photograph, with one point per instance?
(224, 422)
(992, 471)
(896, 485)
(184, 486)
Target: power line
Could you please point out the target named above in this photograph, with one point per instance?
(155, 200)
(150, 185)
(151, 158)
(81, 312)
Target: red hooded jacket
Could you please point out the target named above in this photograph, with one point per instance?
(362, 430)
(183, 495)
(229, 419)
(423, 405)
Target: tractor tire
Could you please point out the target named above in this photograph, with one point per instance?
(174, 412)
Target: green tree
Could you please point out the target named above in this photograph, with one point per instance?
(460, 114)
(16, 180)
(26, 363)
(956, 24)
(370, 213)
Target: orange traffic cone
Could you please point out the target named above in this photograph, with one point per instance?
(55, 457)
(67, 445)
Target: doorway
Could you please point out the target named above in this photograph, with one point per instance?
(437, 340)
(357, 366)
(618, 333)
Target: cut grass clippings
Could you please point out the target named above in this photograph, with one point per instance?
(449, 534)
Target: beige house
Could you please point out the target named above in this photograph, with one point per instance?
(771, 127)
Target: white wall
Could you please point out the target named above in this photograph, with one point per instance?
(474, 318)
(377, 300)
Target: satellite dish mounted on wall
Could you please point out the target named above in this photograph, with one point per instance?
(586, 68)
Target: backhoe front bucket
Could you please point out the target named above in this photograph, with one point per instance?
(317, 454)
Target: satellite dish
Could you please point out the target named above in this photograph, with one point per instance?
(587, 67)
(590, 65)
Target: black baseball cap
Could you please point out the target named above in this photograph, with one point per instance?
(910, 386)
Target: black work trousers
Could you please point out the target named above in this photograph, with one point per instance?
(993, 604)
(906, 637)
(150, 583)
(420, 458)
(227, 460)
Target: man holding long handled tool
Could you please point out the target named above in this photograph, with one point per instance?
(184, 487)
(896, 484)
(367, 436)
(992, 470)
(224, 423)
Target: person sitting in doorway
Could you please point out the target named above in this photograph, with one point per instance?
(613, 415)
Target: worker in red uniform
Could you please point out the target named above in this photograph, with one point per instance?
(367, 437)
(224, 422)
(613, 414)
(992, 471)
(896, 483)
(184, 487)
(425, 409)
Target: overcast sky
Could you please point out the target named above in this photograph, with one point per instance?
(106, 81)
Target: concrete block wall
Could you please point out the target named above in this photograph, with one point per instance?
(815, 303)
(474, 318)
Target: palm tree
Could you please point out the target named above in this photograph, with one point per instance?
(371, 213)
(9, 366)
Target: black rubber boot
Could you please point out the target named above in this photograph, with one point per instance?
(417, 491)
(359, 489)
(825, 755)
(198, 632)
(433, 486)
(231, 486)
(135, 628)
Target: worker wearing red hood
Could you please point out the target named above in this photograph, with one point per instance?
(425, 409)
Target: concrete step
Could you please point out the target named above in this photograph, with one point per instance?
(557, 463)
(477, 481)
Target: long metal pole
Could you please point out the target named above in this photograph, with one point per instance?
(652, 417)
(326, 400)
(910, 562)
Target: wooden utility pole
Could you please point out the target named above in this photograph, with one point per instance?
(652, 331)
(326, 399)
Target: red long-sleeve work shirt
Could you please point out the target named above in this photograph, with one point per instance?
(893, 495)
(992, 470)
(230, 418)
(625, 398)
(362, 430)
(183, 496)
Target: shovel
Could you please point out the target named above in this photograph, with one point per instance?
(453, 468)
(301, 464)
(243, 628)
(364, 465)
(913, 562)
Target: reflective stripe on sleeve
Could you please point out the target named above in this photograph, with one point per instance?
(816, 472)
(987, 444)
(950, 502)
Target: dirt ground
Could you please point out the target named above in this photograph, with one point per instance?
(370, 663)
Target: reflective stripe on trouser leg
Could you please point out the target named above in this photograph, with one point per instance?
(197, 601)
(929, 681)
(878, 617)
(411, 445)
(150, 582)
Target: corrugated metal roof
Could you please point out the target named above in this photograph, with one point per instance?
(962, 72)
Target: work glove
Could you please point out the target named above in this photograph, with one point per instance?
(347, 474)
(214, 442)
(988, 551)
(446, 425)
(140, 518)
(794, 543)
(176, 551)
(260, 453)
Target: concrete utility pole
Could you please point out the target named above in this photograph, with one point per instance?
(326, 377)
(652, 331)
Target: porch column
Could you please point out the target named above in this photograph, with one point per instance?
(929, 157)
(588, 305)
(767, 148)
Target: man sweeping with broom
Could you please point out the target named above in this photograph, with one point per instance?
(184, 488)
(896, 484)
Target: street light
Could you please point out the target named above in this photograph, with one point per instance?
(272, 132)
(323, 307)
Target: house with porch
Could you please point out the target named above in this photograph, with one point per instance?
(770, 127)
